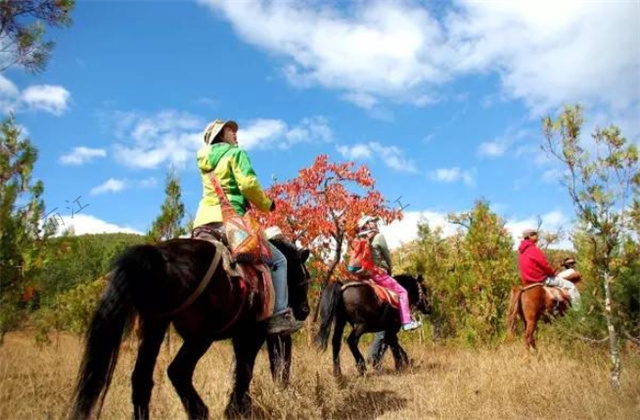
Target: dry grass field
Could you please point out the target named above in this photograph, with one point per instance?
(444, 383)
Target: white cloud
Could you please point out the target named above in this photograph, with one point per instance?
(81, 155)
(110, 185)
(406, 230)
(453, 175)
(173, 137)
(375, 49)
(493, 148)
(169, 136)
(392, 156)
(7, 87)
(269, 133)
(362, 99)
(357, 151)
(551, 176)
(552, 221)
(82, 224)
(48, 98)
(261, 133)
(52, 99)
(549, 52)
(546, 52)
(501, 145)
(148, 182)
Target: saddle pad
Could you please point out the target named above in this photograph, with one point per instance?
(557, 293)
(258, 278)
(384, 294)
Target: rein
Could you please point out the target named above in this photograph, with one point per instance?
(531, 286)
(421, 296)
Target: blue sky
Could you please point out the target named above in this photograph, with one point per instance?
(442, 100)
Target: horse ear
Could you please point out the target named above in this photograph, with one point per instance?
(304, 254)
(420, 279)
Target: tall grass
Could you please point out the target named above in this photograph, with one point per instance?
(443, 383)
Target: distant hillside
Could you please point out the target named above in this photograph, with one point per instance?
(72, 260)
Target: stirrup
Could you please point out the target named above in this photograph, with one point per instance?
(411, 325)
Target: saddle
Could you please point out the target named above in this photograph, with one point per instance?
(560, 297)
(383, 294)
(254, 278)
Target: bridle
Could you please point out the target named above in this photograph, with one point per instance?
(422, 298)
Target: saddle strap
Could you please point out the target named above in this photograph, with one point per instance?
(201, 287)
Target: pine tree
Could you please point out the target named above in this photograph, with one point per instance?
(22, 26)
(168, 224)
(22, 235)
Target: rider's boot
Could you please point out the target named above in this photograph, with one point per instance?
(283, 323)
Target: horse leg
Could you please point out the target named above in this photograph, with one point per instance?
(338, 330)
(279, 348)
(150, 336)
(530, 332)
(353, 340)
(180, 373)
(400, 357)
(246, 347)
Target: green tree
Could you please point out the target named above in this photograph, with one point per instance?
(22, 235)
(22, 28)
(487, 271)
(602, 179)
(169, 224)
(431, 255)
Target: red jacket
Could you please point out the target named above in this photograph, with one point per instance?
(534, 267)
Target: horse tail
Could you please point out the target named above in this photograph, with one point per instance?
(113, 316)
(515, 307)
(330, 298)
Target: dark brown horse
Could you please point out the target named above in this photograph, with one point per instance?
(532, 303)
(361, 307)
(155, 281)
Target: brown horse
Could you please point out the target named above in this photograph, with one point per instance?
(533, 302)
(363, 309)
(164, 285)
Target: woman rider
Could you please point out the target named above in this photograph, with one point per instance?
(239, 181)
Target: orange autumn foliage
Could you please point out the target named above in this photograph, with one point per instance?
(320, 209)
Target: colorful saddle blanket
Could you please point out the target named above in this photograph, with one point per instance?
(384, 295)
(254, 278)
(260, 286)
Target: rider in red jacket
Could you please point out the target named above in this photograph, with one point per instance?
(534, 267)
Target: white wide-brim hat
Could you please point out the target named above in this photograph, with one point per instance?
(214, 127)
(366, 219)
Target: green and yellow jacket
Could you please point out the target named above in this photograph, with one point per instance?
(239, 181)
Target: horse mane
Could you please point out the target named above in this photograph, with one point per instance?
(410, 283)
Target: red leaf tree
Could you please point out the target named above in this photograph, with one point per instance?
(320, 209)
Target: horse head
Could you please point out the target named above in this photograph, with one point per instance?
(417, 291)
(298, 277)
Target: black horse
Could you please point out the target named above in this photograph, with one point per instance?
(361, 307)
(164, 284)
